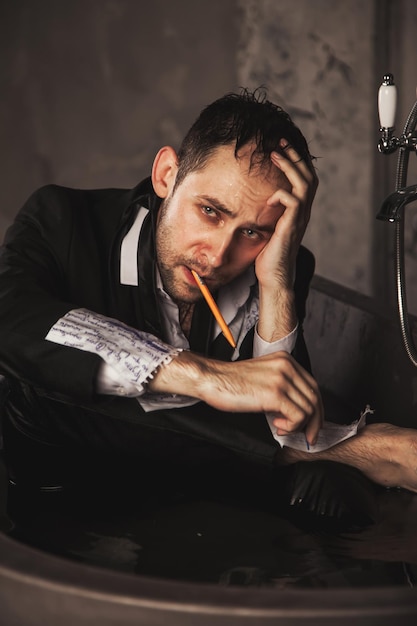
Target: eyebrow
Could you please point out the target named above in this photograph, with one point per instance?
(220, 207)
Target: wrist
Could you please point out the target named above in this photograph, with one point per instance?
(182, 375)
(277, 314)
(283, 344)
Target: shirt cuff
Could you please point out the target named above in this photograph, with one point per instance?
(133, 354)
(285, 344)
(109, 382)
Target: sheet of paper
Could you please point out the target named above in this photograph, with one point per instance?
(330, 435)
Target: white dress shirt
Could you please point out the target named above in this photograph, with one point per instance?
(131, 357)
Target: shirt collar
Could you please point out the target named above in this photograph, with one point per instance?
(129, 251)
(230, 298)
(234, 295)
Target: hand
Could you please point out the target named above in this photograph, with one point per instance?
(274, 383)
(275, 265)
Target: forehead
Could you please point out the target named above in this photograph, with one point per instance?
(239, 190)
(225, 168)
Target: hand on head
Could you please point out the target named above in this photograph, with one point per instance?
(293, 200)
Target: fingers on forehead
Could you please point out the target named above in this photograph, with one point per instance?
(294, 158)
(291, 153)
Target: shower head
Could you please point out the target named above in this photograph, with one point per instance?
(391, 209)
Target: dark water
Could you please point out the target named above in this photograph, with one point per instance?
(191, 538)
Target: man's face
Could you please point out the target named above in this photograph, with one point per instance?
(216, 222)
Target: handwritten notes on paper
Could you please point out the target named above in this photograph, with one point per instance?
(134, 354)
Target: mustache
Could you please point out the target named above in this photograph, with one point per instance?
(204, 271)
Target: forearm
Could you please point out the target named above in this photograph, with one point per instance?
(277, 314)
(274, 383)
(191, 375)
(385, 453)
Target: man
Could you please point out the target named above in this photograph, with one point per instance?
(108, 346)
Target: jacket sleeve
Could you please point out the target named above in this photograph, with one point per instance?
(304, 274)
(32, 287)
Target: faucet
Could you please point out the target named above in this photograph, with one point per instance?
(392, 209)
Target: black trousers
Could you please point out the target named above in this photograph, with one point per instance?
(49, 438)
(50, 443)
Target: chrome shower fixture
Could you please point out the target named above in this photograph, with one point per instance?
(387, 104)
(392, 209)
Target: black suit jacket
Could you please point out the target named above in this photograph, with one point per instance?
(63, 252)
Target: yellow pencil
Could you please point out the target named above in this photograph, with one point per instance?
(214, 309)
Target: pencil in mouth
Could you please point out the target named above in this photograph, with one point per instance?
(214, 308)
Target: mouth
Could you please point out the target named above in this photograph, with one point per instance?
(188, 272)
(210, 282)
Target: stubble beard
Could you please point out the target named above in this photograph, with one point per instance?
(170, 263)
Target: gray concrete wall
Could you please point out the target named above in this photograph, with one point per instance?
(91, 88)
(318, 58)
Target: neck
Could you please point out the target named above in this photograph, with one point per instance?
(185, 310)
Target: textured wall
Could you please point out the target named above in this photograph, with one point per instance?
(92, 88)
(406, 72)
(317, 59)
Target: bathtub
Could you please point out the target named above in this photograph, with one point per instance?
(358, 360)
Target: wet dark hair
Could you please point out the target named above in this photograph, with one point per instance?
(239, 119)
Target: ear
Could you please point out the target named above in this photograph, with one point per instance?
(164, 171)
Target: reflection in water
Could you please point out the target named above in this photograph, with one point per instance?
(195, 539)
(393, 538)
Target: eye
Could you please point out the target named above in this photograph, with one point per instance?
(251, 234)
(209, 212)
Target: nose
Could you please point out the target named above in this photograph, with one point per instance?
(219, 251)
